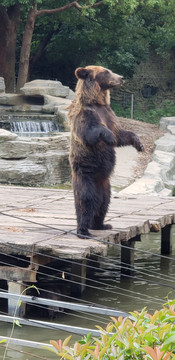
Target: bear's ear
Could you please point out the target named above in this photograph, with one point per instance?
(81, 73)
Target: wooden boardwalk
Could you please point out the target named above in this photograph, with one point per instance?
(45, 219)
(41, 223)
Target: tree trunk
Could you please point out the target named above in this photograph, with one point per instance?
(27, 38)
(39, 53)
(28, 32)
(36, 58)
(9, 21)
(26, 47)
(3, 35)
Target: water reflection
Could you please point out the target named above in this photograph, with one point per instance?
(151, 282)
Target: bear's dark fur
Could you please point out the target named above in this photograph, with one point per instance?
(95, 132)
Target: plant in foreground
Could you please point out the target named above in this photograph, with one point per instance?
(139, 336)
(15, 321)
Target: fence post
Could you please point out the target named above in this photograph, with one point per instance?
(132, 106)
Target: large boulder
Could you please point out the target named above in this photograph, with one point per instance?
(59, 107)
(6, 136)
(166, 121)
(21, 172)
(45, 87)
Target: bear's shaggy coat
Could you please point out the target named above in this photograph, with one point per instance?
(95, 132)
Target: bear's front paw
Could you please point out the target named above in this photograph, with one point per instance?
(137, 144)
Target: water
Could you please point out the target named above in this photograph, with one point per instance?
(30, 124)
(152, 281)
(33, 128)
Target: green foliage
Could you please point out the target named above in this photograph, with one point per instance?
(109, 36)
(140, 336)
(118, 35)
(158, 17)
(119, 110)
(15, 321)
(8, 3)
(152, 115)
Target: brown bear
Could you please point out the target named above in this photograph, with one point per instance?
(95, 132)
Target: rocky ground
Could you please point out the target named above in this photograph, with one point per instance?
(148, 134)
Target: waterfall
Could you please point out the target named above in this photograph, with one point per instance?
(30, 125)
(33, 127)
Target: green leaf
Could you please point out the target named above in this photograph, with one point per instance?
(88, 337)
(19, 303)
(18, 323)
(47, 348)
(170, 340)
(2, 341)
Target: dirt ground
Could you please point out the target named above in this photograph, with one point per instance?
(148, 134)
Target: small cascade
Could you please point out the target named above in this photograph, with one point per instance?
(33, 125)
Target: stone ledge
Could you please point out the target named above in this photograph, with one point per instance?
(34, 161)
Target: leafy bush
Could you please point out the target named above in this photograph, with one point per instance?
(119, 110)
(139, 336)
(152, 115)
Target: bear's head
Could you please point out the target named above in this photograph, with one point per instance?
(94, 83)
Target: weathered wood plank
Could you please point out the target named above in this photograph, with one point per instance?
(44, 220)
(166, 243)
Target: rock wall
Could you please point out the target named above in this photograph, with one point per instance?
(34, 161)
(159, 175)
(38, 96)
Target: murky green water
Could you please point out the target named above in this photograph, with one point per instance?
(152, 281)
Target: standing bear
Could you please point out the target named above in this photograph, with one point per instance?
(95, 132)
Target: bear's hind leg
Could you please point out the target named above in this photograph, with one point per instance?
(86, 204)
(98, 221)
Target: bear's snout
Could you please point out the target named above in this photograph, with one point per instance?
(117, 80)
(122, 80)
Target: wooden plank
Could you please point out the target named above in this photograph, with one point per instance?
(13, 308)
(44, 220)
(17, 274)
(166, 243)
(78, 276)
(127, 257)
